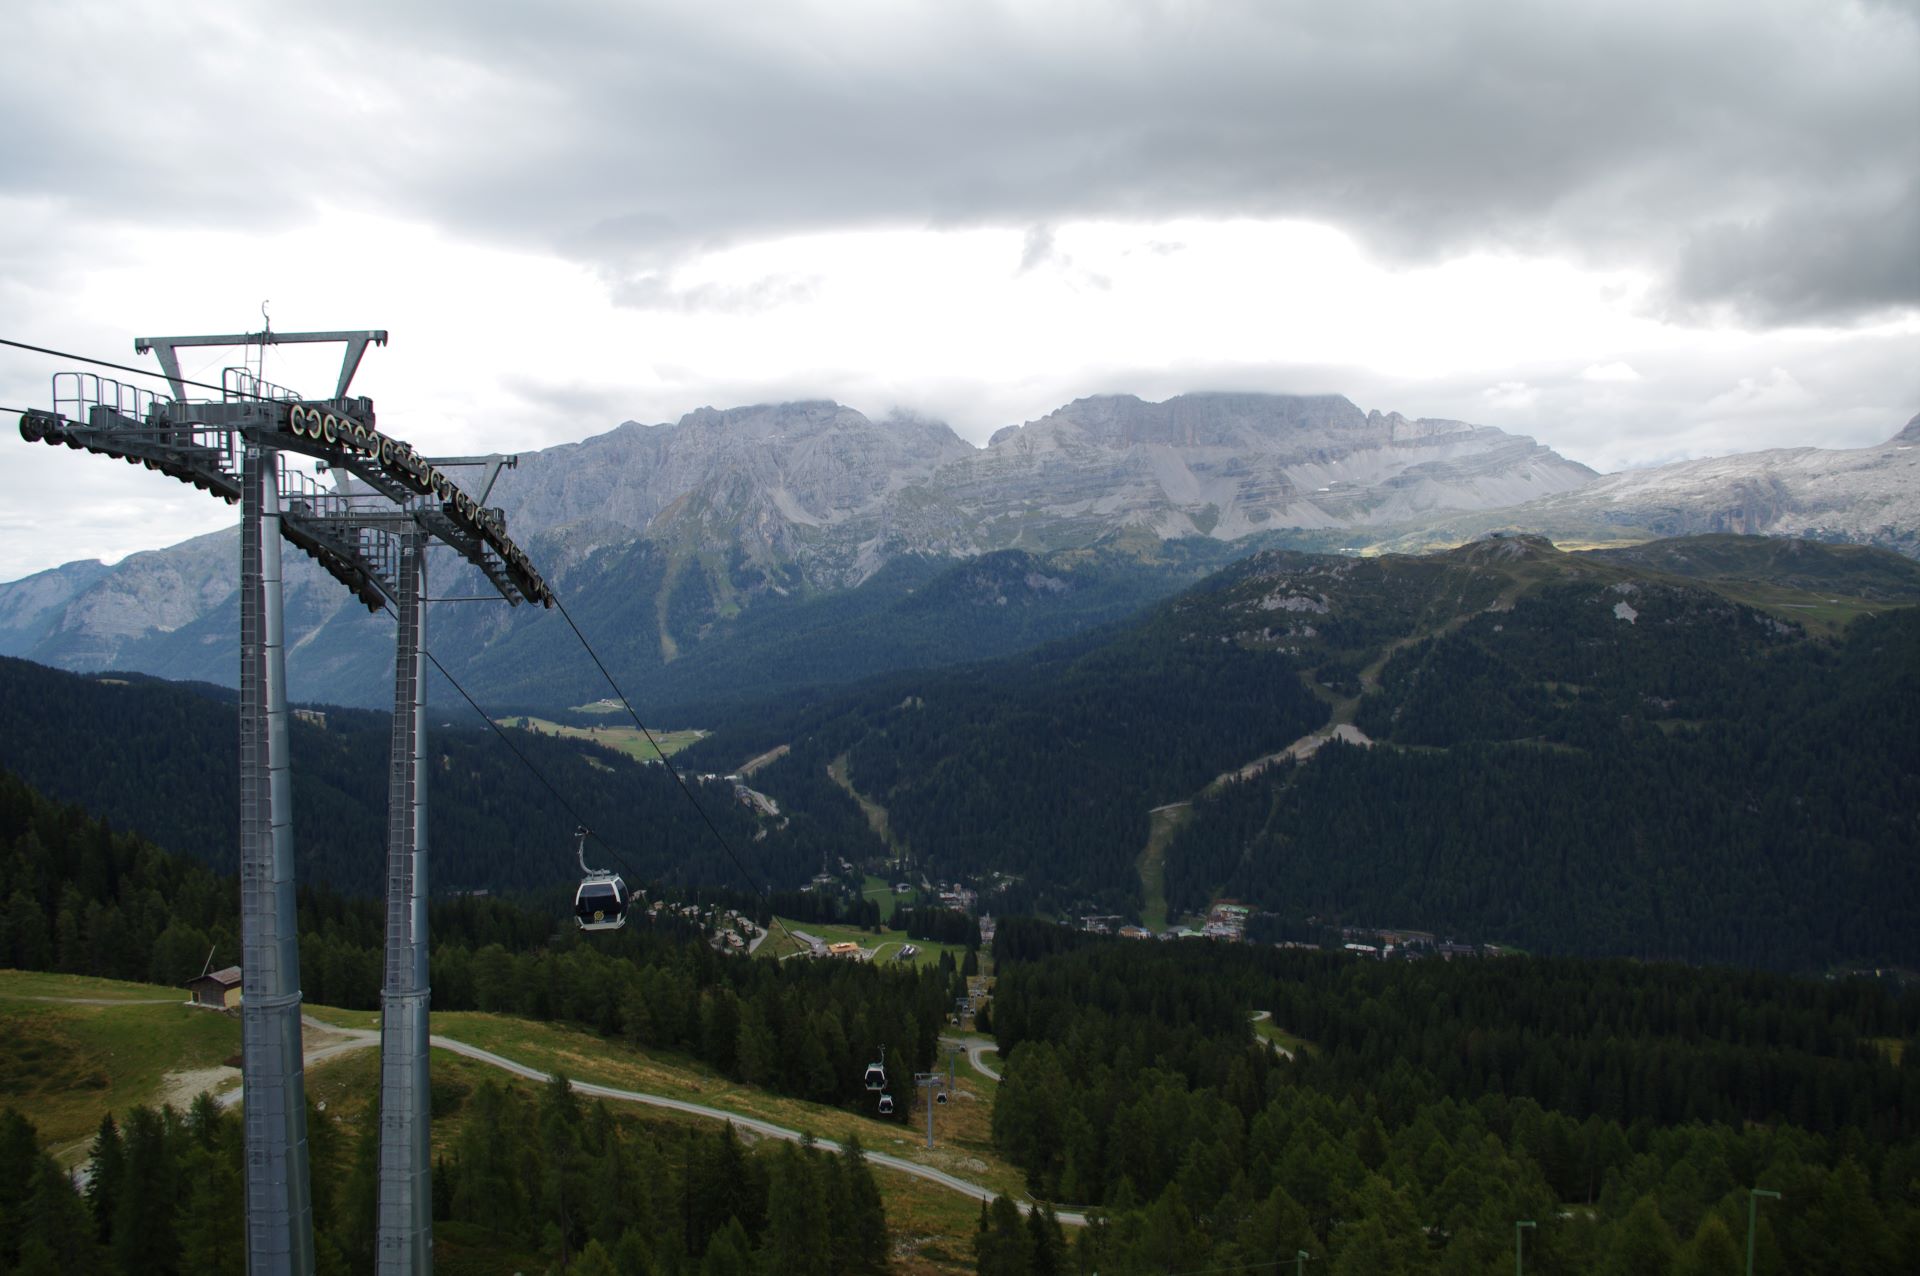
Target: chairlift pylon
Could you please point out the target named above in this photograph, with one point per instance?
(601, 901)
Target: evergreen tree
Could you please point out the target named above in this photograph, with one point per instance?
(1711, 1252)
(1642, 1242)
(729, 1253)
(103, 1186)
(213, 1224)
(1000, 1246)
(796, 1238)
(867, 1246)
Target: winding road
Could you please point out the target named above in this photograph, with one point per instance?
(336, 1041)
(360, 1038)
(977, 1047)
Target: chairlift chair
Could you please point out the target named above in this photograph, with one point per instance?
(939, 1096)
(886, 1105)
(601, 901)
(876, 1076)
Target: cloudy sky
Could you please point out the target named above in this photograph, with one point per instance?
(1637, 231)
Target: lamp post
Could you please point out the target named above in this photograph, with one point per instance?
(1517, 1226)
(1753, 1217)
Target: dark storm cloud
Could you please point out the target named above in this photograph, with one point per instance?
(1758, 155)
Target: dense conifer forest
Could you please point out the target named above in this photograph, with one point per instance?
(1044, 768)
(596, 1194)
(1625, 1109)
(162, 759)
(1712, 790)
(82, 899)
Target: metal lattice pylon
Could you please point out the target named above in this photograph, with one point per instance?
(372, 537)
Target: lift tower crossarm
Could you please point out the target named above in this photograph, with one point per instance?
(371, 533)
(356, 342)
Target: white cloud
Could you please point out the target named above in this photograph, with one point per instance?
(1566, 223)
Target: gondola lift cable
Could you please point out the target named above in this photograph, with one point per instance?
(752, 882)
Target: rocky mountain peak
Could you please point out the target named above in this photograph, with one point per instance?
(1909, 436)
(1193, 420)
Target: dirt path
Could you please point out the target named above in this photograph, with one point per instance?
(322, 1041)
(774, 754)
(342, 1039)
(875, 813)
(977, 1047)
(1162, 823)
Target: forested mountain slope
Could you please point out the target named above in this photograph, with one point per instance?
(1575, 753)
(163, 759)
(1631, 767)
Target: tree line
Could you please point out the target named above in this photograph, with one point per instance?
(525, 1169)
(83, 899)
(1624, 1108)
(160, 759)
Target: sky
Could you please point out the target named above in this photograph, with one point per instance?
(1638, 232)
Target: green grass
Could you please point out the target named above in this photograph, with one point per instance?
(925, 1221)
(1268, 1030)
(881, 891)
(66, 1065)
(1161, 827)
(963, 1140)
(18, 984)
(886, 944)
(628, 740)
(369, 1019)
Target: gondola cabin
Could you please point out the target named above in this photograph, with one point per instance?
(601, 903)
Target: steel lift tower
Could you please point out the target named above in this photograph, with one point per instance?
(371, 533)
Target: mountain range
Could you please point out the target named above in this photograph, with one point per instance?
(787, 545)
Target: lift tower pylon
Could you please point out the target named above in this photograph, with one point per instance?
(273, 1077)
(370, 533)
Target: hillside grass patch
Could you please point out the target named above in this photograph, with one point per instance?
(886, 945)
(625, 740)
(66, 1065)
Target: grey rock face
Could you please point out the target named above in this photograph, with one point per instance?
(32, 607)
(1868, 496)
(770, 478)
(1230, 465)
(816, 495)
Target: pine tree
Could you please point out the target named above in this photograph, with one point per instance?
(1000, 1245)
(868, 1224)
(143, 1223)
(55, 1225)
(109, 1169)
(729, 1252)
(213, 1223)
(796, 1238)
(1641, 1242)
(1711, 1252)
